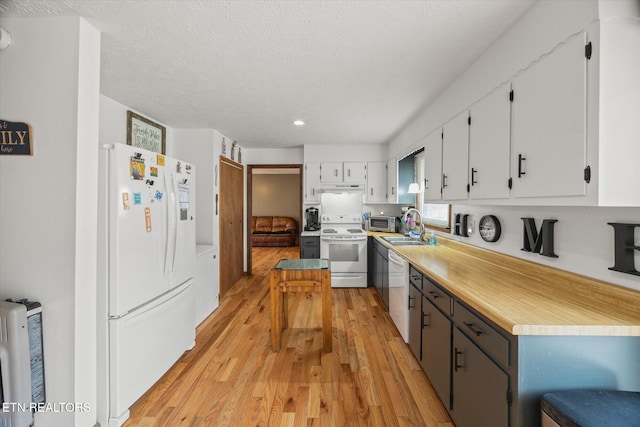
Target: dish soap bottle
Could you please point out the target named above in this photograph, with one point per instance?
(432, 239)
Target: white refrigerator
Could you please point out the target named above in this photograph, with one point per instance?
(146, 307)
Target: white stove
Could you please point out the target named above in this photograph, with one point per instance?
(344, 243)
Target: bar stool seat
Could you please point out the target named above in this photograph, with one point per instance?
(591, 408)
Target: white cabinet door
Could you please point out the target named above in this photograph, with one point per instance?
(355, 172)
(433, 166)
(331, 172)
(549, 124)
(455, 157)
(392, 181)
(489, 143)
(312, 182)
(376, 182)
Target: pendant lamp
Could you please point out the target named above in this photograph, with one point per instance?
(414, 188)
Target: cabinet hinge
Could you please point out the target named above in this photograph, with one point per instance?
(511, 95)
(509, 397)
(442, 135)
(469, 121)
(588, 50)
(510, 183)
(587, 174)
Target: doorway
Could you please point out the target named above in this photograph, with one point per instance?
(273, 190)
(231, 223)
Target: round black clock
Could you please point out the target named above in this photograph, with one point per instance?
(489, 228)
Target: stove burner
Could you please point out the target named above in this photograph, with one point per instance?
(329, 230)
(354, 230)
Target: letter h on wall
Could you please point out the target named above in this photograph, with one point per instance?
(624, 248)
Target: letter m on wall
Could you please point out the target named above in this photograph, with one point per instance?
(542, 242)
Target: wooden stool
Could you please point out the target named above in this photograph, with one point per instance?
(299, 275)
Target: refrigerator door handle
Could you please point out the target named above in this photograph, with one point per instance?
(166, 229)
(176, 213)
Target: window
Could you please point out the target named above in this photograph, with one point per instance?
(435, 216)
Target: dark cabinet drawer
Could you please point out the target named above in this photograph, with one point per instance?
(415, 277)
(481, 333)
(437, 296)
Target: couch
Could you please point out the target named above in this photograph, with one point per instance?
(273, 231)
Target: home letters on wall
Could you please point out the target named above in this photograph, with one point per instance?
(460, 225)
(542, 242)
(624, 244)
(15, 138)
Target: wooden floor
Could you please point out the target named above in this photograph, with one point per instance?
(232, 378)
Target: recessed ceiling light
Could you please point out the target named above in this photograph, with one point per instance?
(298, 122)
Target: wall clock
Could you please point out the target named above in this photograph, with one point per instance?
(489, 228)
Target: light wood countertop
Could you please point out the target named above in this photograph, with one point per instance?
(522, 297)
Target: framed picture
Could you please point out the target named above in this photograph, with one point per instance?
(143, 133)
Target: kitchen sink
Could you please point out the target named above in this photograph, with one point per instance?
(409, 243)
(392, 239)
(405, 241)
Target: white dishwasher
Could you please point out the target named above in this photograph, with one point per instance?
(399, 293)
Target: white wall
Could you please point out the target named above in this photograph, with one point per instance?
(346, 153)
(272, 156)
(113, 124)
(49, 78)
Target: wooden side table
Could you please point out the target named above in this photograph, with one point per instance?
(299, 275)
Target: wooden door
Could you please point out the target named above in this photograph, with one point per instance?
(231, 223)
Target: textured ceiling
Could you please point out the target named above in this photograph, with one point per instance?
(355, 71)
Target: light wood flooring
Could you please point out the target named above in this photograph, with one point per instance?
(232, 378)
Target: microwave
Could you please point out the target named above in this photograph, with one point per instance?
(382, 223)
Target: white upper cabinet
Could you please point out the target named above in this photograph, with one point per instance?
(331, 172)
(312, 182)
(347, 172)
(549, 124)
(376, 182)
(433, 166)
(392, 181)
(355, 172)
(489, 143)
(455, 157)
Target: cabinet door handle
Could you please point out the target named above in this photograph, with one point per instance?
(434, 294)
(313, 191)
(424, 324)
(473, 328)
(393, 191)
(409, 306)
(473, 176)
(521, 159)
(456, 365)
(444, 181)
(372, 191)
(426, 184)
(348, 172)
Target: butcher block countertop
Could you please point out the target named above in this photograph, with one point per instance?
(522, 297)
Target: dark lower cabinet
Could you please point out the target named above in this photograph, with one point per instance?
(481, 391)
(436, 349)
(415, 321)
(309, 247)
(382, 273)
(378, 269)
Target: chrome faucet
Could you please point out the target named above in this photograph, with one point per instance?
(416, 211)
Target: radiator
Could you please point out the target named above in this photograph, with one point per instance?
(21, 362)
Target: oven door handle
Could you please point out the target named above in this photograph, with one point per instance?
(343, 239)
